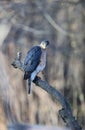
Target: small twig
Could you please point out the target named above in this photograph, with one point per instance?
(65, 112)
(54, 24)
(27, 28)
(58, 28)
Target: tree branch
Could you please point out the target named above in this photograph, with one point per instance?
(65, 112)
(27, 28)
(58, 28)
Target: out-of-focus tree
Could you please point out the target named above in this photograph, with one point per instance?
(26, 23)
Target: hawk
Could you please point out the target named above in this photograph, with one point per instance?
(35, 62)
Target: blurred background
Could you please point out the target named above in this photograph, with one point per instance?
(24, 23)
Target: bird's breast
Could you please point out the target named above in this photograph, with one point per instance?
(43, 58)
(42, 63)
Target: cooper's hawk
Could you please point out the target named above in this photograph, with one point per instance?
(35, 62)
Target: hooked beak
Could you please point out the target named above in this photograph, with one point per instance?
(47, 42)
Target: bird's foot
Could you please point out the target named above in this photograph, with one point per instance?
(36, 79)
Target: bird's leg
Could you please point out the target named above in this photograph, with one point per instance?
(36, 79)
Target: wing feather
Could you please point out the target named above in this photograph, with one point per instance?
(32, 59)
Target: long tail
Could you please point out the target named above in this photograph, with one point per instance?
(29, 85)
(26, 75)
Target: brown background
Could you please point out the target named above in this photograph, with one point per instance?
(24, 23)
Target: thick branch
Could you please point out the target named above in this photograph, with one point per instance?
(65, 112)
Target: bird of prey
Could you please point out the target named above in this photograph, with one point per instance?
(35, 62)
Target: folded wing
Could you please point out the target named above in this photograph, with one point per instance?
(32, 60)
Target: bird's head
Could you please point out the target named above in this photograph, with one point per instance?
(44, 44)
